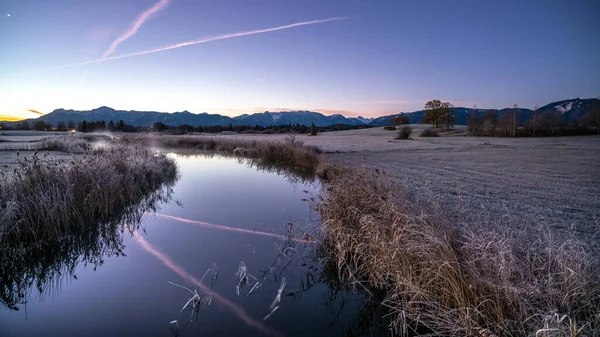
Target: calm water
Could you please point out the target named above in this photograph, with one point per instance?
(222, 212)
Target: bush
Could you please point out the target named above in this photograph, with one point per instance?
(429, 133)
(404, 132)
(389, 128)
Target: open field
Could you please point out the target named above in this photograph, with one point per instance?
(556, 178)
(472, 236)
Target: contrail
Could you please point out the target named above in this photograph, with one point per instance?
(139, 21)
(231, 229)
(193, 42)
(179, 270)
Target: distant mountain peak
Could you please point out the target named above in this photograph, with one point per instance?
(571, 110)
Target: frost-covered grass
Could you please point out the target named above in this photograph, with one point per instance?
(46, 200)
(56, 213)
(462, 273)
(288, 151)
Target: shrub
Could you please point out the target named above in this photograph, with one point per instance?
(404, 132)
(429, 133)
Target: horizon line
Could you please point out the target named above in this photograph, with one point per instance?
(349, 114)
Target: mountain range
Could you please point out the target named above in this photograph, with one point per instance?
(571, 110)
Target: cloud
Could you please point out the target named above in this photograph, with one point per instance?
(139, 21)
(194, 42)
(36, 112)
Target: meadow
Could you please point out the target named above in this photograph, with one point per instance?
(452, 235)
(466, 235)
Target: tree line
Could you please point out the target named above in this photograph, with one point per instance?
(120, 126)
(510, 124)
(284, 128)
(537, 124)
(83, 126)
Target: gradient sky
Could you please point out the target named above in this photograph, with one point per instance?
(386, 57)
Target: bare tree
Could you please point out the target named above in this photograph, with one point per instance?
(515, 120)
(490, 122)
(447, 117)
(593, 115)
(508, 122)
(535, 112)
(475, 124)
(435, 111)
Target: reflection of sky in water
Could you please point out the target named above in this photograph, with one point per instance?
(131, 295)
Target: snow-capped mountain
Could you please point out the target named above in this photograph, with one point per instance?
(571, 110)
(147, 118)
(365, 120)
(293, 117)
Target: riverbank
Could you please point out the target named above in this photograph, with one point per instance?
(462, 235)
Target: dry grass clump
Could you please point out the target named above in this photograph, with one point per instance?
(429, 133)
(404, 132)
(447, 275)
(69, 144)
(289, 152)
(43, 200)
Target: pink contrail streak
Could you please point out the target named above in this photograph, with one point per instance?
(199, 41)
(177, 269)
(226, 228)
(139, 21)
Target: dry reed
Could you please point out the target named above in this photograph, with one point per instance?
(443, 274)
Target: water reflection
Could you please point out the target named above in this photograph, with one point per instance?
(182, 241)
(293, 174)
(45, 267)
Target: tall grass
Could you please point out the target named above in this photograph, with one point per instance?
(70, 143)
(289, 153)
(448, 274)
(48, 199)
(54, 214)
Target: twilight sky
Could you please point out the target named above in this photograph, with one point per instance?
(372, 58)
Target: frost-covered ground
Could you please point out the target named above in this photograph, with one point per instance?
(534, 181)
(555, 181)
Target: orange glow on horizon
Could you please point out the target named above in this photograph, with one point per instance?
(9, 118)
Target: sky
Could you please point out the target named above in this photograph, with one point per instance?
(354, 57)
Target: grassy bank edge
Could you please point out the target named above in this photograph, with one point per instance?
(441, 272)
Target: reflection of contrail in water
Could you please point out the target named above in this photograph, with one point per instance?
(234, 308)
(226, 228)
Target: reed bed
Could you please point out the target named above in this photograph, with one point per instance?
(456, 273)
(288, 153)
(46, 200)
(71, 144)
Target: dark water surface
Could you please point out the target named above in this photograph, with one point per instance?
(129, 295)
